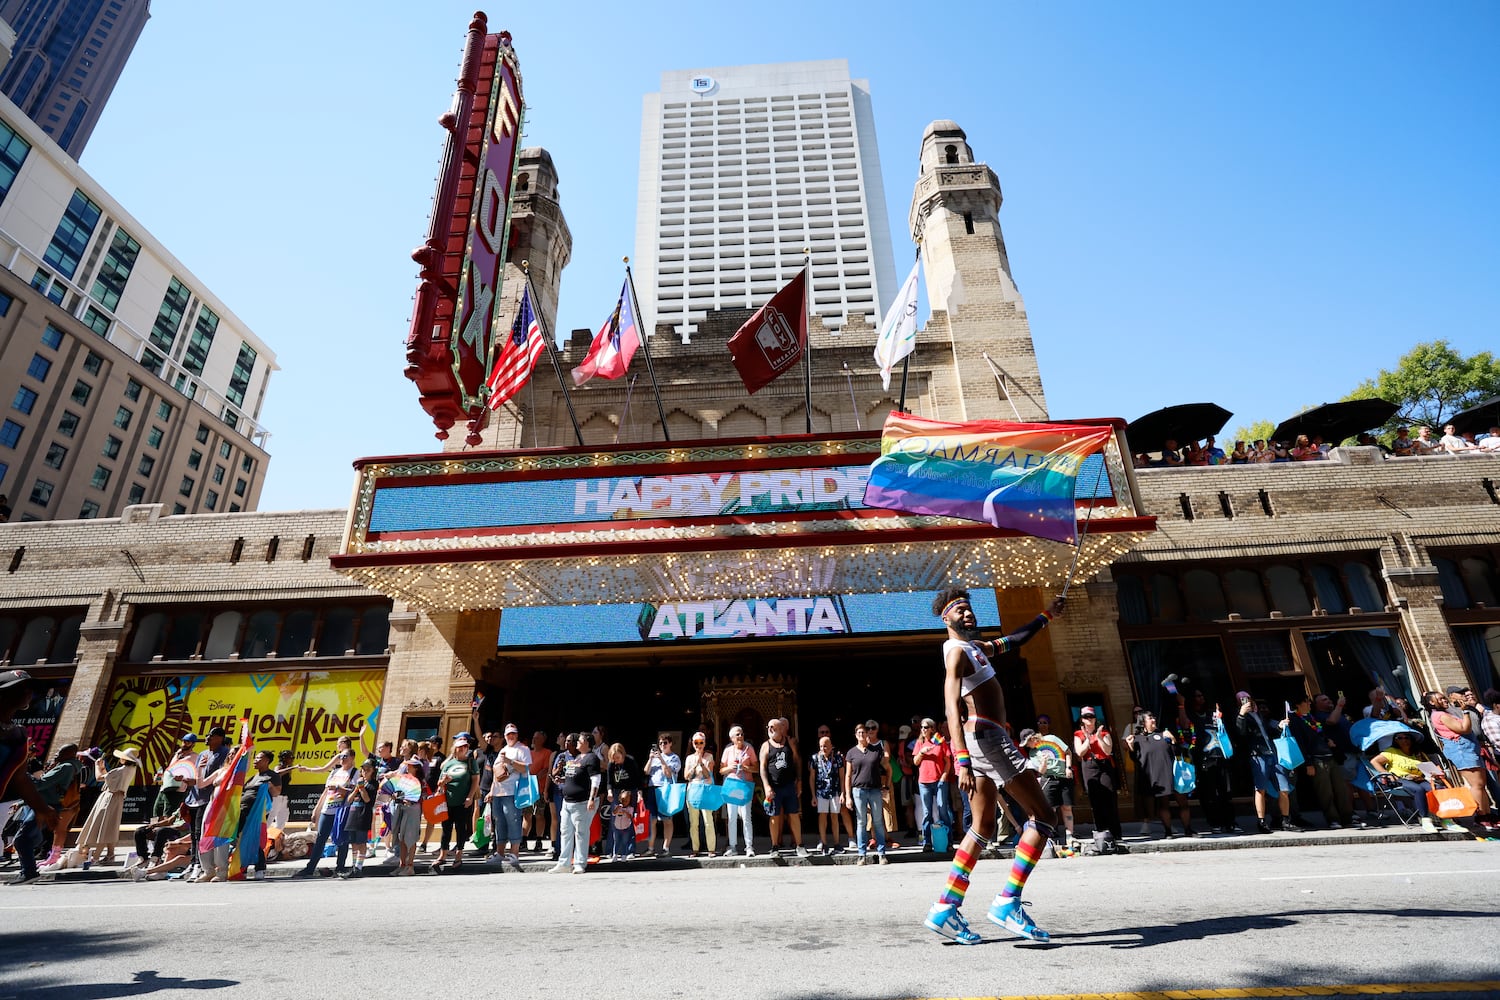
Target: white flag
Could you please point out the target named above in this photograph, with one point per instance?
(898, 333)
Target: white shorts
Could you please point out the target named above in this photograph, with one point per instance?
(830, 806)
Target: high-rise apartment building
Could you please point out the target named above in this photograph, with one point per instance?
(742, 168)
(123, 380)
(65, 61)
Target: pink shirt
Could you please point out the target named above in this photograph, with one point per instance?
(743, 761)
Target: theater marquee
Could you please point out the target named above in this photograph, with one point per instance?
(711, 521)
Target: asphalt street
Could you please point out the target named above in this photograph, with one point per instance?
(1316, 916)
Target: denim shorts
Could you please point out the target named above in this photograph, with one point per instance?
(784, 801)
(1462, 754)
(1268, 775)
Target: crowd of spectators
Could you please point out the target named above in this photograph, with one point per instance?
(588, 798)
(1314, 449)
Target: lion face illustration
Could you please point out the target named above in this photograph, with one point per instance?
(149, 713)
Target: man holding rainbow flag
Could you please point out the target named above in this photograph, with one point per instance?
(1020, 478)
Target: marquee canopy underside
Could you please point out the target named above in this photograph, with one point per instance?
(727, 568)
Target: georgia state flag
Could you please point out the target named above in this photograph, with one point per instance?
(614, 345)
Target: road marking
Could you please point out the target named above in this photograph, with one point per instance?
(108, 906)
(1350, 989)
(1450, 871)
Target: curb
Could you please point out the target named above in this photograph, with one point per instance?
(283, 871)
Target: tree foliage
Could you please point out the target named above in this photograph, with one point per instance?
(1256, 430)
(1432, 382)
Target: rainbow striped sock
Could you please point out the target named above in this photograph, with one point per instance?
(964, 859)
(1020, 870)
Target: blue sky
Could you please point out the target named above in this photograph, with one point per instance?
(1258, 205)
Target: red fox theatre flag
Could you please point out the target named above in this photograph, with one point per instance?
(1015, 476)
(774, 338)
(614, 345)
(518, 354)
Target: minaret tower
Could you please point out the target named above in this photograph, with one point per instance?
(955, 216)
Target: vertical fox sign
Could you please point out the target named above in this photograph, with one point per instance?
(450, 346)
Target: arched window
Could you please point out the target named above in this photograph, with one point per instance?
(1330, 589)
(36, 640)
(296, 634)
(1205, 599)
(8, 629)
(223, 636)
(374, 630)
(150, 632)
(337, 634)
(1245, 595)
(1364, 591)
(65, 649)
(1288, 595)
(182, 637)
(260, 635)
(950, 154)
(1479, 579)
(1166, 601)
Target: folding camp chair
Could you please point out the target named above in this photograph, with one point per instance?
(1390, 793)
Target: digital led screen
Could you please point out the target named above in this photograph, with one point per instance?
(689, 620)
(680, 497)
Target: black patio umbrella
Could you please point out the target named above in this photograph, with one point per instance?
(1336, 421)
(1181, 423)
(1478, 418)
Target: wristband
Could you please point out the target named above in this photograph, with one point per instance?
(961, 758)
(1046, 617)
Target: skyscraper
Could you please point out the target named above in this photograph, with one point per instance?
(744, 166)
(67, 56)
(123, 379)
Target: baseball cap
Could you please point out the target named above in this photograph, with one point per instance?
(217, 731)
(466, 737)
(510, 727)
(11, 678)
(1454, 689)
(1086, 713)
(1027, 734)
(903, 732)
(189, 738)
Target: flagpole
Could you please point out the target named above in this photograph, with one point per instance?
(906, 358)
(807, 325)
(551, 351)
(640, 323)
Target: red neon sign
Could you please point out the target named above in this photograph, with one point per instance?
(453, 325)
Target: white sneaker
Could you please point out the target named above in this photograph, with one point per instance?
(749, 852)
(561, 868)
(259, 876)
(1428, 826)
(578, 869)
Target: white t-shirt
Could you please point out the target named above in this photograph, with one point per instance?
(519, 754)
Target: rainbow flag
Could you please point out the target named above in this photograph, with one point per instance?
(221, 822)
(252, 839)
(1014, 476)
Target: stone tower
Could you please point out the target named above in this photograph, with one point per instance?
(955, 217)
(539, 236)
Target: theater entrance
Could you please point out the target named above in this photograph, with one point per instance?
(835, 683)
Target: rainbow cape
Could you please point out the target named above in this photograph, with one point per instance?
(1019, 477)
(221, 821)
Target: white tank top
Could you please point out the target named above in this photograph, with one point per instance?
(983, 669)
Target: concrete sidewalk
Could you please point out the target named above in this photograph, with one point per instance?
(540, 862)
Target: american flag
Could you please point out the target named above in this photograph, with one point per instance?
(518, 355)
